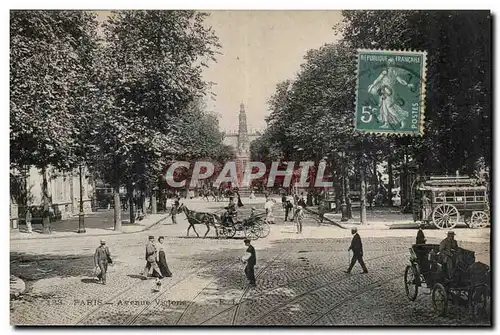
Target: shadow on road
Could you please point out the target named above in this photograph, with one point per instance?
(31, 267)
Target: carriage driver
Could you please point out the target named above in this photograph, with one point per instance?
(447, 249)
(230, 211)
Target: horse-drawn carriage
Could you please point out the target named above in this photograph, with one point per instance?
(253, 227)
(448, 199)
(468, 285)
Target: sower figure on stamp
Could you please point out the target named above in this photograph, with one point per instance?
(391, 113)
(102, 257)
(151, 259)
(357, 251)
(250, 259)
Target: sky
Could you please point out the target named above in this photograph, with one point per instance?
(259, 50)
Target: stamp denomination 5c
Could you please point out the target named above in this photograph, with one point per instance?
(390, 92)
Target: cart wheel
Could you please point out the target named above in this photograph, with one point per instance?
(411, 282)
(230, 232)
(251, 233)
(440, 299)
(480, 302)
(479, 220)
(264, 230)
(445, 216)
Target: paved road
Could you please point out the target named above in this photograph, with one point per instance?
(300, 280)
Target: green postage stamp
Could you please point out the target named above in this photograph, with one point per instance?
(390, 92)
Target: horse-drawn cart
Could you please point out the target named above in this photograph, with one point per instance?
(443, 200)
(469, 284)
(253, 227)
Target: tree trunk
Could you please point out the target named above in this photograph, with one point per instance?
(375, 181)
(347, 191)
(363, 196)
(131, 203)
(153, 202)
(45, 202)
(391, 181)
(118, 207)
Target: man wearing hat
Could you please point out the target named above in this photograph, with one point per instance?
(102, 257)
(357, 251)
(251, 260)
(151, 259)
(447, 249)
(288, 207)
(230, 211)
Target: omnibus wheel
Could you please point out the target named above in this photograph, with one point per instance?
(479, 219)
(445, 216)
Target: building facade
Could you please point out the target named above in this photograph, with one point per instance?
(63, 189)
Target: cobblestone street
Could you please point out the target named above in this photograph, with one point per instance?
(300, 279)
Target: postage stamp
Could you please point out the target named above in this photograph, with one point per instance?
(390, 91)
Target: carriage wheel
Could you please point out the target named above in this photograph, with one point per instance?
(445, 216)
(230, 231)
(480, 302)
(264, 230)
(440, 299)
(479, 220)
(252, 233)
(411, 280)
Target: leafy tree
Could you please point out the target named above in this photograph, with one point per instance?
(48, 57)
(152, 64)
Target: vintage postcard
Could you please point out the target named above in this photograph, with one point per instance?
(250, 168)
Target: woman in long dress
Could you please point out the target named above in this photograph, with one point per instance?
(162, 260)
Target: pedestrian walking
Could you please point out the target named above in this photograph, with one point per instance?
(29, 217)
(298, 217)
(151, 259)
(250, 259)
(426, 208)
(269, 210)
(162, 259)
(357, 251)
(102, 257)
(174, 210)
(288, 208)
(321, 211)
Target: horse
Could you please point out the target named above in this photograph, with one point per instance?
(194, 218)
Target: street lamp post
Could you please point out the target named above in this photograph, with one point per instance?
(343, 206)
(81, 215)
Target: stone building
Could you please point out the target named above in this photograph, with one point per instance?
(63, 191)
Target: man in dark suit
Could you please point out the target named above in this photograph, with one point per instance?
(102, 257)
(357, 251)
(249, 269)
(151, 259)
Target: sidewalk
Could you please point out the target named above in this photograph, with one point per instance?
(96, 224)
(385, 218)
